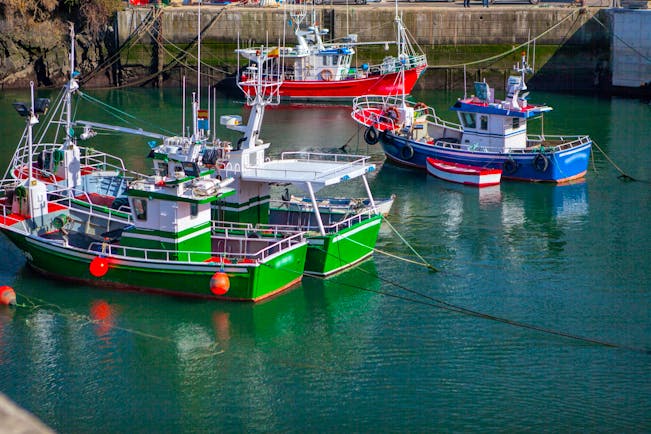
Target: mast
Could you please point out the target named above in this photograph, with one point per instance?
(72, 86)
(265, 91)
(31, 120)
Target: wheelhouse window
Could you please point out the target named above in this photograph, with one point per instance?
(324, 60)
(516, 123)
(194, 209)
(468, 120)
(163, 169)
(191, 169)
(140, 208)
(483, 122)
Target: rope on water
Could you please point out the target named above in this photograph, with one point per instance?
(428, 300)
(34, 303)
(424, 262)
(391, 255)
(623, 176)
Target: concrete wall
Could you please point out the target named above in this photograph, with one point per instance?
(429, 25)
(568, 55)
(631, 47)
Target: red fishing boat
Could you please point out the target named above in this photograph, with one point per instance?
(316, 70)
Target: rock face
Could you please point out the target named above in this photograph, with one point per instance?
(39, 53)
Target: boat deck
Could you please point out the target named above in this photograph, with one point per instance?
(301, 168)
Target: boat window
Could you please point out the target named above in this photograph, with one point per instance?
(191, 169)
(516, 123)
(162, 168)
(325, 60)
(483, 122)
(468, 120)
(140, 207)
(194, 209)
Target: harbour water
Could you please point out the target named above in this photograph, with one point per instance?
(539, 318)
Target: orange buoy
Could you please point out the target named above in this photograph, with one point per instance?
(219, 283)
(98, 266)
(7, 295)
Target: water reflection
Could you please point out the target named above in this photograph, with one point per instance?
(103, 317)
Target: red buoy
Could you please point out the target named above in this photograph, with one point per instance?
(7, 295)
(98, 266)
(219, 283)
(100, 310)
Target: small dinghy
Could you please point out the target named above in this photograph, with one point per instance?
(463, 173)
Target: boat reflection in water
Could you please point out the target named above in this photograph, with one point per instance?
(494, 223)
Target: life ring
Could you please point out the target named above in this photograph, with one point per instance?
(420, 106)
(326, 75)
(510, 166)
(371, 135)
(392, 113)
(541, 162)
(407, 152)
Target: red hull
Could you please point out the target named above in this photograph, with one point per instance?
(386, 84)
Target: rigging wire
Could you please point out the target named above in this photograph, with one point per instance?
(134, 37)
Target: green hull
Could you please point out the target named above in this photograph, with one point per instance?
(248, 282)
(335, 252)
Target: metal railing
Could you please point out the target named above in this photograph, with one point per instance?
(349, 162)
(375, 109)
(197, 257)
(535, 144)
(90, 159)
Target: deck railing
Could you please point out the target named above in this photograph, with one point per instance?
(350, 161)
(89, 159)
(195, 257)
(545, 144)
(375, 109)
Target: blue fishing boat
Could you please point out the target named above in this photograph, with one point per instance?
(492, 134)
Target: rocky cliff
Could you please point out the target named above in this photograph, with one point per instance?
(35, 42)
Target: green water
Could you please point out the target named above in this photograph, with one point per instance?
(539, 319)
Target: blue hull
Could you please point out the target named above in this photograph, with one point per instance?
(559, 166)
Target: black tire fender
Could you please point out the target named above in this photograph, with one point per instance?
(371, 135)
(509, 166)
(407, 152)
(541, 162)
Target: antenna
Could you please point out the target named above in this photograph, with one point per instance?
(465, 86)
(199, 57)
(214, 116)
(183, 117)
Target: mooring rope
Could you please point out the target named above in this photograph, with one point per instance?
(428, 300)
(506, 53)
(57, 310)
(642, 55)
(623, 176)
(424, 262)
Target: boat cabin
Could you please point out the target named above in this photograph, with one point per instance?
(496, 125)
